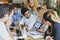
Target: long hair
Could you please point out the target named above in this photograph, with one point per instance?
(35, 4)
(47, 17)
(54, 16)
(51, 16)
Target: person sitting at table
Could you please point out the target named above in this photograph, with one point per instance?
(17, 16)
(28, 19)
(41, 10)
(54, 25)
(4, 34)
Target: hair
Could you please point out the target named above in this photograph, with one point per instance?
(51, 16)
(54, 16)
(44, 8)
(23, 10)
(47, 18)
(35, 4)
(3, 10)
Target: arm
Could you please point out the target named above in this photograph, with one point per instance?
(4, 33)
(22, 21)
(8, 23)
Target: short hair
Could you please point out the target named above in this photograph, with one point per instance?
(47, 18)
(3, 11)
(23, 10)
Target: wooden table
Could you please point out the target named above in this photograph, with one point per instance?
(30, 38)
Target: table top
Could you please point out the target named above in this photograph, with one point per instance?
(28, 38)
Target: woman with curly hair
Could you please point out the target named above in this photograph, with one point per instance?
(32, 6)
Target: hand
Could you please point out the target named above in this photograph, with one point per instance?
(41, 30)
(27, 26)
(8, 23)
(16, 23)
(12, 12)
(49, 38)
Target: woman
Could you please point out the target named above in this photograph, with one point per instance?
(54, 26)
(41, 10)
(32, 6)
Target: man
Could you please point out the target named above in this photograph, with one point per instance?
(4, 34)
(16, 16)
(28, 19)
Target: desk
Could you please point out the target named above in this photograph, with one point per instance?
(28, 38)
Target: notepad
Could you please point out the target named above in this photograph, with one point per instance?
(37, 36)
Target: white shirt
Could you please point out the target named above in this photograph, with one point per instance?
(29, 21)
(4, 35)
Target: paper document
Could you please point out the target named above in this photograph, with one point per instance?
(35, 34)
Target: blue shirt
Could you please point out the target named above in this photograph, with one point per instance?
(17, 16)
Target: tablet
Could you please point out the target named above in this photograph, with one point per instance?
(37, 24)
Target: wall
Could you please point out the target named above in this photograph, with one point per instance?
(18, 1)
